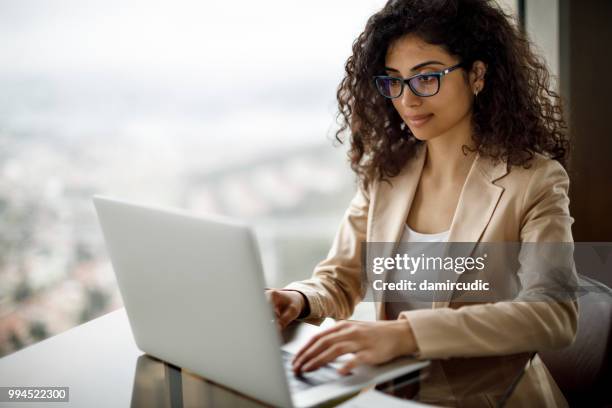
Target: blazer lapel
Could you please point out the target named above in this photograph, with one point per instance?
(477, 202)
(393, 201)
(391, 209)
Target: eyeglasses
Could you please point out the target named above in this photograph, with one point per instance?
(427, 84)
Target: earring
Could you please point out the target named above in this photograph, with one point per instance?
(476, 91)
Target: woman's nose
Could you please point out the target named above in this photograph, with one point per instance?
(409, 99)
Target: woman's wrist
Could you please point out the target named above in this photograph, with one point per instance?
(304, 304)
(407, 344)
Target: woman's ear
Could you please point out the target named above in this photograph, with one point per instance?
(477, 76)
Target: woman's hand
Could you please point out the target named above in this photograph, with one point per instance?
(288, 304)
(372, 343)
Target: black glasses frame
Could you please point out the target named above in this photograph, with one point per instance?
(408, 81)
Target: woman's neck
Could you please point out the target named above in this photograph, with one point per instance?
(445, 159)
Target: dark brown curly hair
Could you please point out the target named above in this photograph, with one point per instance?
(516, 114)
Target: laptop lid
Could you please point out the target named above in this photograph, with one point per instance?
(193, 291)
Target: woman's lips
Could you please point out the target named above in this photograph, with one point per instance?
(418, 121)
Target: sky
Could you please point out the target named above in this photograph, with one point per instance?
(196, 38)
(256, 73)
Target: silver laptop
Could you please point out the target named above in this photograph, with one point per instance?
(193, 289)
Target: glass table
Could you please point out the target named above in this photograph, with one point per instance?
(102, 366)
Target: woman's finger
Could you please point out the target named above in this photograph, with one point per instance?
(314, 347)
(315, 338)
(286, 317)
(321, 345)
(360, 358)
(331, 354)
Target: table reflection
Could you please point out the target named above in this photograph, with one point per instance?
(158, 384)
(464, 382)
(453, 382)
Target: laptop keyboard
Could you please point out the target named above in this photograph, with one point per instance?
(301, 382)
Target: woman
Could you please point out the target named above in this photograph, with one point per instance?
(456, 136)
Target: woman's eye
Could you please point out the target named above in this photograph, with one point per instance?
(427, 78)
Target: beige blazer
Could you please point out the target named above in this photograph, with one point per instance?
(498, 203)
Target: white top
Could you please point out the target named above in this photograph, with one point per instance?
(411, 235)
(393, 308)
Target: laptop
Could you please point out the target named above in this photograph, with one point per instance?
(193, 290)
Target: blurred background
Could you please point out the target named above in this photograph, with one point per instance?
(223, 107)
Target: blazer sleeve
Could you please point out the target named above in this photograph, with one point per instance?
(335, 286)
(534, 320)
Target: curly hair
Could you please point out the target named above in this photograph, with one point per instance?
(516, 115)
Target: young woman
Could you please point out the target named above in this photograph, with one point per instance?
(456, 136)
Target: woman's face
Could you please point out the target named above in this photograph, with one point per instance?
(448, 110)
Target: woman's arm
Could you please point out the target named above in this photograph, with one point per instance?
(335, 286)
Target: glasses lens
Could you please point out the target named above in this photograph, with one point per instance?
(389, 87)
(425, 85)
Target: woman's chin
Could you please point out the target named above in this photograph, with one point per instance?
(422, 136)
